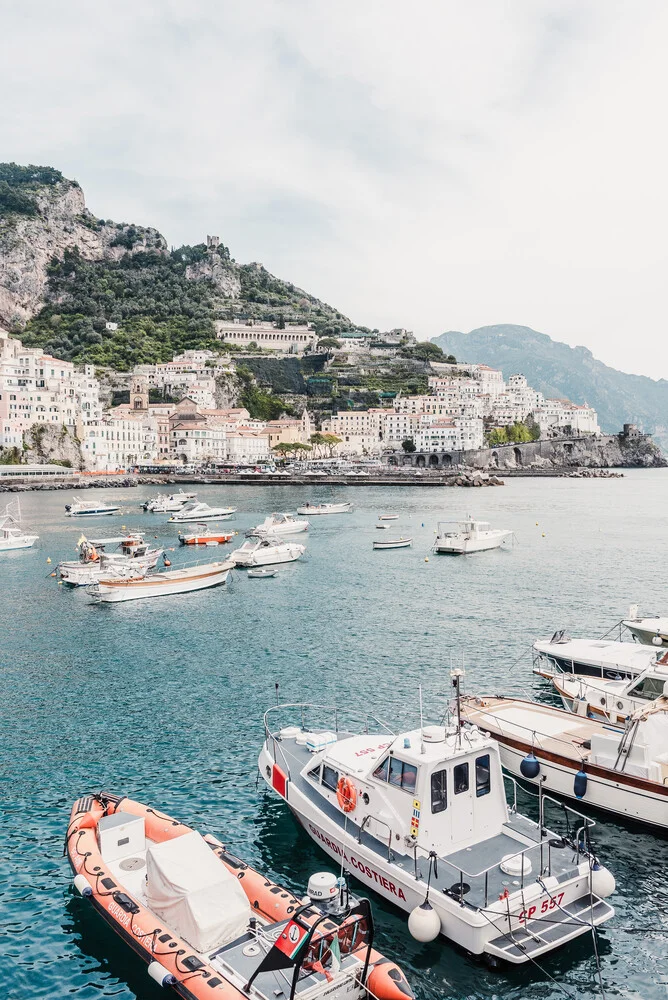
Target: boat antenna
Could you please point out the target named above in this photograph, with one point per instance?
(456, 676)
(422, 746)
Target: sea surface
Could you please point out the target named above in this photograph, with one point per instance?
(163, 700)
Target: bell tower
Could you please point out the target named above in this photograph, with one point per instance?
(139, 393)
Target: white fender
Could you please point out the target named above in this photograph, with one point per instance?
(160, 974)
(82, 885)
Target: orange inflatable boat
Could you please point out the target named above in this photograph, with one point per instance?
(210, 926)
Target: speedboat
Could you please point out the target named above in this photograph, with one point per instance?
(623, 771)
(325, 508)
(265, 551)
(132, 557)
(80, 508)
(421, 817)
(202, 512)
(161, 504)
(604, 658)
(111, 589)
(12, 534)
(209, 925)
(394, 543)
(649, 631)
(207, 536)
(460, 537)
(279, 524)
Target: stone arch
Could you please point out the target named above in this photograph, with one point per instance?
(433, 461)
(517, 452)
(494, 460)
(419, 461)
(447, 461)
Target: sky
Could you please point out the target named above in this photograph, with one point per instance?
(434, 165)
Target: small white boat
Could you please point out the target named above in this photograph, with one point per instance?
(604, 658)
(461, 537)
(325, 508)
(169, 583)
(202, 512)
(162, 504)
(132, 557)
(12, 534)
(279, 524)
(381, 527)
(394, 543)
(81, 508)
(266, 551)
(649, 631)
(262, 574)
(388, 517)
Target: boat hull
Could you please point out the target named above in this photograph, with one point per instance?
(92, 513)
(403, 544)
(116, 591)
(339, 508)
(22, 542)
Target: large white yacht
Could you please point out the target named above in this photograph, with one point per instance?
(461, 537)
(422, 818)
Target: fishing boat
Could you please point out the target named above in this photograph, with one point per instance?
(604, 658)
(325, 508)
(162, 504)
(262, 574)
(622, 771)
(265, 551)
(209, 925)
(12, 533)
(132, 557)
(421, 817)
(80, 508)
(279, 524)
(394, 543)
(388, 517)
(649, 631)
(461, 537)
(206, 536)
(202, 512)
(111, 590)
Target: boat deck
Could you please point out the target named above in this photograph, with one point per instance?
(551, 729)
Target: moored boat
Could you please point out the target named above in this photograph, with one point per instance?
(388, 517)
(202, 512)
(604, 658)
(279, 524)
(12, 533)
(649, 631)
(132, 557)
(325, 508)
(223, 928)
(266, 551)
(206, 536)
(394, 543)
(461, 537)
(111, 590)
(262, 574)
(81, 508)
(162, 503)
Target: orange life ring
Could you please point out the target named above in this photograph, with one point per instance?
(346, 794)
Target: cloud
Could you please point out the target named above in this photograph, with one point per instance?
(440, 166)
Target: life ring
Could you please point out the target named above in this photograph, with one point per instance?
(346, 794)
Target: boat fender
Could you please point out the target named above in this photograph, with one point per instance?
(161, 975)
(82, 885)
(580, 784)
(530, 767)
(602, 881)
(424, 923)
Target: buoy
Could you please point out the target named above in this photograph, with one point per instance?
(82, 886)
(536, 523)
(424, 923)
(48, 559)
(166, 562)
(580, 784)
(543, 535)
(160, 974)
(602, 881)
(53, 574)
(60, 583)
(530, 766)
(656, 641)
(426, 558)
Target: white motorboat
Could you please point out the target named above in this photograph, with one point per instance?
(171, 582)
(422, 818)
(649, 631)
(461, 537)
(132, 557)
(388, 517)
(622, 771)
(202, 512)
(81, 508)
(394, 543)
(325, 508)
(594, 657)
(266, 551)
(12, 534)
(161, 504)
(279, 524)
(262, 574)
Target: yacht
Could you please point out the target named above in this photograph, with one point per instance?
(202, 512)
(132, 556)
(162, 504)
(80, 508)
(461, 537)
(279, 524)
(113, 589)
(266, 552)
(12, 534)
(325, 508)
(605, 658)
(620, 770)
(649, 631)
(422, 818)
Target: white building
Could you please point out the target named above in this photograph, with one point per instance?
(292, 339)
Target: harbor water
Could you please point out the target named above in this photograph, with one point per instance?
(163, 700)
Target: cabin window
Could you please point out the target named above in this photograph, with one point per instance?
(382, 770)
(330, 777)
(403, 775)
(315, 773)
(461, 778)
(650, 687)
(439, 791)
(482, 776)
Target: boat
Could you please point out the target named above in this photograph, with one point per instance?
(388, 517)
(394, 543)
(604, 658)
(461, 537)
(265, 551)
(12, 534)
(621, 771)
(206, 537)
(80, 508)
(202, 512)
(325, 508)
(132, 557)
(279, 524)
(421, 817)
(111, 590)
(161, 504)
(209, 925)
(262, 574)
(649, 631)
(382, 527)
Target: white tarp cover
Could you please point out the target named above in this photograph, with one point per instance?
(193, 892)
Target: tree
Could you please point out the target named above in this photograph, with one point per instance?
(281, 322)
(328, 343)
(408, 445)
(317, 440)
(283, 448)
(497, 436)
(330, 441)
(424, 351)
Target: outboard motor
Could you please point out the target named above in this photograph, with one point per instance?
(329, 892)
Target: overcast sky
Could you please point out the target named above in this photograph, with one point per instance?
(440, 165)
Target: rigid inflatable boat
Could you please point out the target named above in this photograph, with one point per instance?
(209, 925)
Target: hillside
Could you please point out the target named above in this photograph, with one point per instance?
(65, 274)
(558, 370)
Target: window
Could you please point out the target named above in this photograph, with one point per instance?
(315, 773)
(461, 778)
(650, 687)
(482, 776)
(439, 791)
(402, 775)
(330, 777)
(382, 770)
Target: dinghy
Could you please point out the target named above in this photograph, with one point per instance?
(262, 574)
(394, 543)
(209, 925)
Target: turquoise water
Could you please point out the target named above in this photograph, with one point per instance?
(163, 701)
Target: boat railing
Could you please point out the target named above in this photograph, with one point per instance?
(381, 822)
(337, 716)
